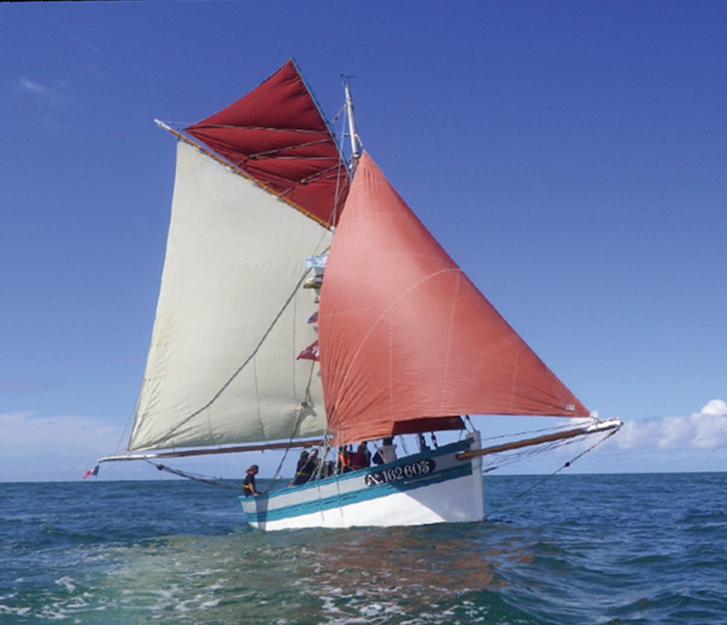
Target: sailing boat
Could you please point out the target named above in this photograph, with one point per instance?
(304, 304)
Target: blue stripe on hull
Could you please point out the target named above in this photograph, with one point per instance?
(311, 499)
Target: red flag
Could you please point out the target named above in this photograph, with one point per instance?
(309, 353)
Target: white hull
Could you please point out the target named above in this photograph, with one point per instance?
(429, 487)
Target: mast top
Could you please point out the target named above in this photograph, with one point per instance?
(356, 145)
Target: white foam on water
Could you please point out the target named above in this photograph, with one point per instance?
(67, 583)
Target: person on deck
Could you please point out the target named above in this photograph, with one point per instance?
(345, 458)
(306, 467)
(387, 452)
(298, 478)
(361, 459)
(248, 484)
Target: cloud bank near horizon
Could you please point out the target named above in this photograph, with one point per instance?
(61, 447)
(706, 429)
(47, 448)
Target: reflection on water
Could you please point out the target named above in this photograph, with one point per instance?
(310, 576)
(384, 573)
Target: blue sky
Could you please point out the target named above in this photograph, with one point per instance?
(570, 156)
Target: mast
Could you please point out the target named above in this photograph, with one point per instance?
(356, 144)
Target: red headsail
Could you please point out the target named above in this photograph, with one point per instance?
(277, 135)
(406, 339)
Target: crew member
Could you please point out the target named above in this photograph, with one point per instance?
(248, 484)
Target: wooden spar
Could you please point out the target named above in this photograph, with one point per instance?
(240, 172)
(601, 426)
(207, 452)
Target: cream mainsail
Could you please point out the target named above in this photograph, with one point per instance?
(231, 317)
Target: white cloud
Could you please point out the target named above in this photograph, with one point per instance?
(47, 101)
(32, 87)
(706, 429)
(43, 93)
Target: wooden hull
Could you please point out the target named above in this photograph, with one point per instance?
(428, 487)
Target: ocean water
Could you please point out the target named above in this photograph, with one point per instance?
(573, 549)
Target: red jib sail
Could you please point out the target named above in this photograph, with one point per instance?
(406, 338)
(277, 135)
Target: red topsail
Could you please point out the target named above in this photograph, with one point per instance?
(405, 337)
(277, 135)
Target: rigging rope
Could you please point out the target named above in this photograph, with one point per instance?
(301, 407)
(547, 477)
(193, 476)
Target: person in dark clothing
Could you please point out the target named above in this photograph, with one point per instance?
(248, 484)
(306, 467)
(298, 478)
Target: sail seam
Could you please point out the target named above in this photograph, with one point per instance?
(511, 408)
(297, 146)
(297, 183)
(256, 379)
(247, 127)
(449, 344)
(391, 365)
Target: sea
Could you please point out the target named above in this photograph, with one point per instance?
(612, 549)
